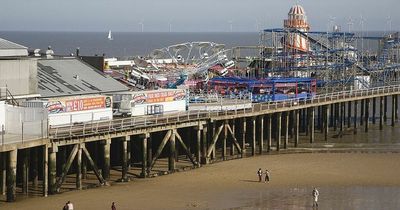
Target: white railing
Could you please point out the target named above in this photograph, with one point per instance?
(110, 126)
(24, 132)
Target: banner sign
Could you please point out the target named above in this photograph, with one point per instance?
(158, 97)
(79, 104)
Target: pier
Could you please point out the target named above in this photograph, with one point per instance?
(142, 147)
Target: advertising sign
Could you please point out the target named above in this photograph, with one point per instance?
(158, 97)
(78, 104)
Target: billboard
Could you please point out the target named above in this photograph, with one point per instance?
(159, 96)
(63, 105)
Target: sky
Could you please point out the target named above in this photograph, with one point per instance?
(192, 15)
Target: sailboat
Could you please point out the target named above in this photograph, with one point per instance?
(110, 37)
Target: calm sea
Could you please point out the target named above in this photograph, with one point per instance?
(124, 43)
(135, 43)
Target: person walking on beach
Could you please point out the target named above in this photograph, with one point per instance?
(259, 174)
(315, 195)
(65, 206)
(266, 176)
(113, 206)
(70, 205)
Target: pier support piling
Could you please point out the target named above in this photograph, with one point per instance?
(3, 172)
(366, 115)
(124, 175)
(311, 123)
(106, 158)
(45, 166)
(254, 136)
(11, 175)
(53, 169)
(278, 132)
(261, 145)
(381, 115)
(25, 170)
(286, 120)
(355, 116)
(172, 152)
(393, 111)
(144, 139)
(79, 167)
(296, 127)
(374, 110)
(326, 123)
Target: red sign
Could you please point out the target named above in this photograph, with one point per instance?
(85, 104)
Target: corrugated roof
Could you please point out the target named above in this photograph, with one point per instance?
(63, 77)
(11, 49)
(5, 44)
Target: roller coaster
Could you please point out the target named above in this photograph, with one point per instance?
(333, 58)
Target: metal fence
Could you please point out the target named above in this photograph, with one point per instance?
(123, 124)
(24, 132)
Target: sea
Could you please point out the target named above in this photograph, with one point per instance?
(124, 44)
(129, 44)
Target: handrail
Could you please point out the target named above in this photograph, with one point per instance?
(108, 126)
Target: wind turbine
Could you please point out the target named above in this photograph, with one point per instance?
(256, 24)
(230, 25)
(350, 23)
(142, 25)
(170, 26)
(389, 24)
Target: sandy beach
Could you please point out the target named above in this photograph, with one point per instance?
(233, 184)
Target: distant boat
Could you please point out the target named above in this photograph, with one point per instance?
(110, 37)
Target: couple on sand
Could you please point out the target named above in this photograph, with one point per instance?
(260, 174)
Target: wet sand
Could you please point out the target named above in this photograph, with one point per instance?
(346, 181)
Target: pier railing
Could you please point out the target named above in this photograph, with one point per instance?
(123, 124)
(23, 132)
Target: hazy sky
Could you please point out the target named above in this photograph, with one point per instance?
(189, 15)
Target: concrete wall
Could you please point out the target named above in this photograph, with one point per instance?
(172, 106)
(23, 119)
(2, 114)
(20, 76)
(80, 117)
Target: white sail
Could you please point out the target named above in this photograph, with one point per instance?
(110, 35)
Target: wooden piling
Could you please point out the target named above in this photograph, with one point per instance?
(11, 175)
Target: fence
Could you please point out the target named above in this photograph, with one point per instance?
(24, 132)
(85, 129)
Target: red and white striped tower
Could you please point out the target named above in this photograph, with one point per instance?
(297, 19)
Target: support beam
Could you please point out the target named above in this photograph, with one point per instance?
(234, 135)
(396, 106)
(355, 116)
(225, 138)
(311, 123)
(362, 112)
(366, 114)
(381, 117)
(235, 142)
(172, 152)
(374, 110)
(11, 175)
(244, 128)
(254, 136)
(286, 127)
(269, 132)
(70, 159)
(45, 165)
(342, 117)
(124, 174)
(278, 130)
(393, 110)
(185, 148)
(94, 166)
(326, 123)
(53, 169)
(296, 127)
(165, 140)
(3, 172)
(79, 167)
(214, 140)
(144, 139)
(349, 114)
(25, 170)
(198, 144)
(261, 141)
(106, 158)
(204, 145)
(385, 109)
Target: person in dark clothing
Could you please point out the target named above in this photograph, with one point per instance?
(65, 206)
(113, 206)
(259, 174)
(266, 176)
